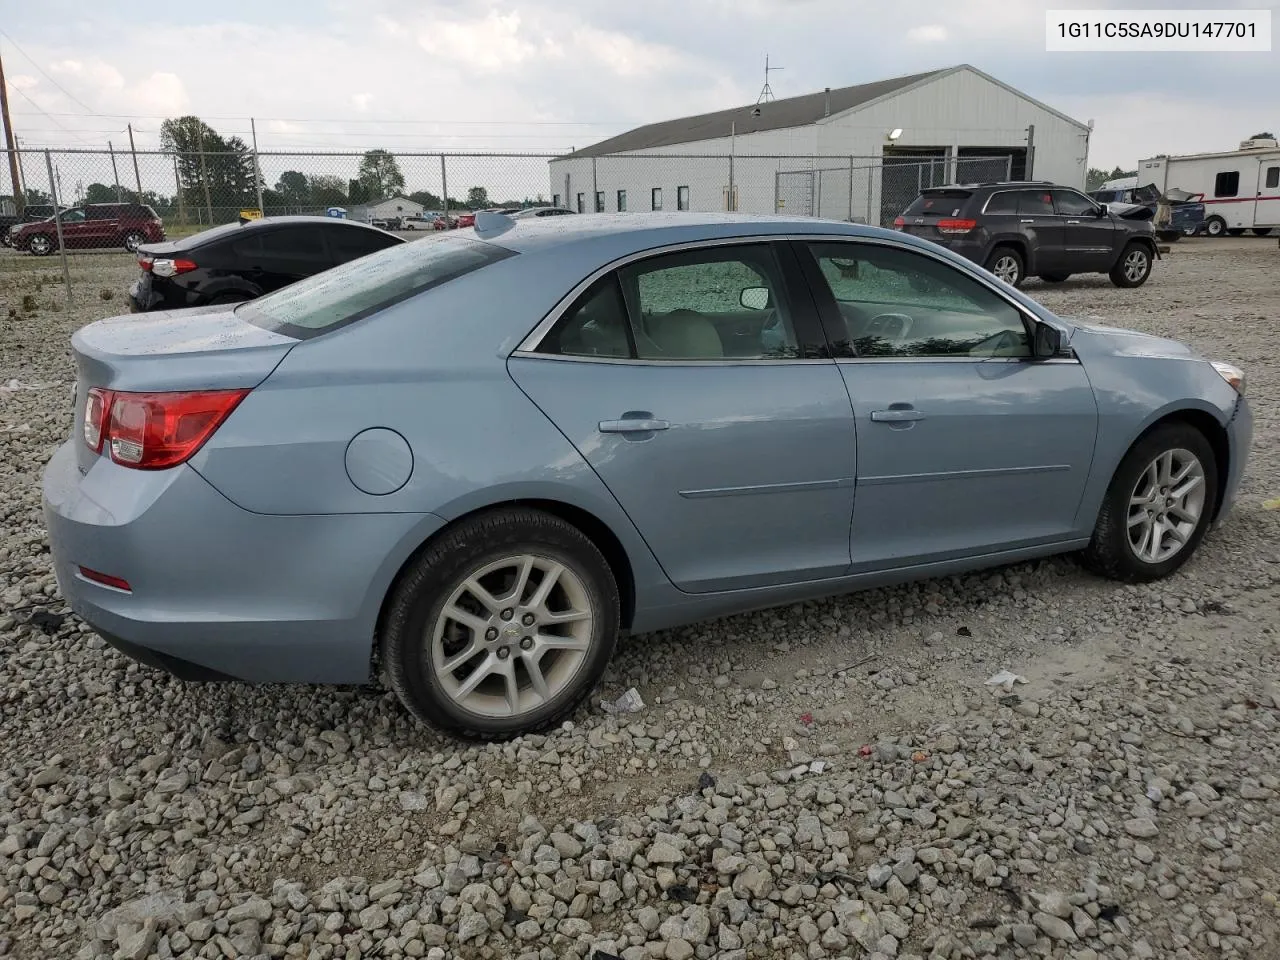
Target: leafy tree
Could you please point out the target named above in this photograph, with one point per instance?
(1097, 177)
(101, 193)
(226, 167)
(327, 190)
(34, 195)
(477, 198)
(293, 188)
(1263, 136)
(429, 200)
(358, 192)
(379, 175)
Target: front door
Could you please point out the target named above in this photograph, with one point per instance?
(1088, 234)
(966, 446)
(685, 381)
(1267, 210)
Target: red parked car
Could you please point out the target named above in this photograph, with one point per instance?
(92, 225)
(466, 220)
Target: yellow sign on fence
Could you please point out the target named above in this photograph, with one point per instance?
(250, 214)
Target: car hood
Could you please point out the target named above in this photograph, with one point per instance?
(1087, 336)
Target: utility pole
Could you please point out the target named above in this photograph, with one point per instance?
(8, 142)
(115, 172)
(136, 175)
(257, 168)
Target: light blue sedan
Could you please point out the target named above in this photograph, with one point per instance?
(469, 463)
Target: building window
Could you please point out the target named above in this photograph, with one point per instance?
(1273, 177)
(599, 201)
(655, 198)
(555, 199)
(582, 203)
(622, 201)
(1226, 184)
(682, 198)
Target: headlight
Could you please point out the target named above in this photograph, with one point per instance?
(1230, 373)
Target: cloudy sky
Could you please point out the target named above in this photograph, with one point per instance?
(553, 74)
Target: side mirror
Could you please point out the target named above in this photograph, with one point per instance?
(1046, 342)
(1102, 210)
(754, 298)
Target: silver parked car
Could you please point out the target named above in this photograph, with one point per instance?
(470, 462)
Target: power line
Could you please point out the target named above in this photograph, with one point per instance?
(66, 130)
(65, 91)
(491, 123)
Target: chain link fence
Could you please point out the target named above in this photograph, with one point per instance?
(193, 191)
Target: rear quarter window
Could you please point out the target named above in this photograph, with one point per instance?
(359, 288)
(942, 203)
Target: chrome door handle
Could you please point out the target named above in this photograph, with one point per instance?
(1026, 221)
(632, 426)
(896, 416)
(1075, 221)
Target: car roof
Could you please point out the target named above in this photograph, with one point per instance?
(226, 231)
(992, 184)
(634, 232)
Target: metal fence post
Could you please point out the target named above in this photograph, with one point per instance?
(57, 224)
(257, 169)
(115, 173)
(137, 177)
(851, 189)
(871, 174)
(595, 188)
(204, 175)
(777, 190)
(177, 183)
(444, 187)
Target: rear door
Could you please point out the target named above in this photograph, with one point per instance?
(1043, 231)
(734, 459)
(1088, 236)
(285, 254)
(1267, 209)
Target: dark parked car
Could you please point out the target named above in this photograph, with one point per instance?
(241, 261)
(1023, 229)
(125, 225)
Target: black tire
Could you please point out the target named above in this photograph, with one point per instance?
(419, 599)
(1054, 277)
(133, 240)
(41, 245)
(1215, 227)
(1235, 232)
(1009, 262)
(1110, 553)
(1133, 267)
(228, 297)
(1261, 231)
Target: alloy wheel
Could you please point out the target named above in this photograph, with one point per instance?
(1135, 265)
(1006, 268)
(40, 245)
(511, 636)
(133, 241)
(1166, 505)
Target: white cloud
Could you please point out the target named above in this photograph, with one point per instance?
(930, 33)
(362, 101)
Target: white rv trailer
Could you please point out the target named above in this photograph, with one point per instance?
(1241, 188)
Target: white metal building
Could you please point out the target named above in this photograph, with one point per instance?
(396, 206)
(832, 153)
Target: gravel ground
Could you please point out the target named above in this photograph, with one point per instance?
(833, 779)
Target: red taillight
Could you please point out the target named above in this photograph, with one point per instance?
(956, 226)
(96, 406)
(898, 223)
(106, 579)
(146, 263)
(152, 431)
(171, 268)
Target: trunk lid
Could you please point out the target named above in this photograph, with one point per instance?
(203, 348)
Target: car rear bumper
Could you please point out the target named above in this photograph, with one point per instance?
(217, 592)
(1240, 439)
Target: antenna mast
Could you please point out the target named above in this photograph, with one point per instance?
(766, 92)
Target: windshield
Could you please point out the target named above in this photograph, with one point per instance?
(358, 288)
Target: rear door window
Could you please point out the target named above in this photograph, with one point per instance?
(358, 288)
(1035, 203)
(349, 243)
(1004, 203)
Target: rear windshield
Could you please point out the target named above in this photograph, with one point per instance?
(358, 288)
(940, 202)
